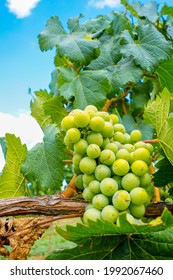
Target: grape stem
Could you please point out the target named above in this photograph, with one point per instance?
(70, 190)
(67, 161)
(156, 140)
(156, 190)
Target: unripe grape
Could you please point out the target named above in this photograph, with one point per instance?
(121, 200)
(120, 167)
(75, 111)
(108, 186)
(87, 165)
(91, 107)
(76, 159)
(129, 147)
(79, 182)
(145, 180)
(99, 201)
(97, 123)
(135, 135)
(81, 146)
(107, 157)
(91, 214)
(123, 154)
(108, 130)
(93, 151)
(150, 148)
(126, 138)
(142, 154)
(140, 144)
(67, 123)
(109, 213)
(119, 136)
(118, 179)
(73, 135)
(139, 196)
(95, 138)
(106, 141)
(114, 119)
(87, 194)
(87, 178)
(82, 119)
(103, 114)
(119, 127)
(137, 211)
(94, 186)
(130, 181)
(102, 171)
(112, 146)
(139, 167)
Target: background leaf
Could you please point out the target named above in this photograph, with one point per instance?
(12, 181)
(165, 74)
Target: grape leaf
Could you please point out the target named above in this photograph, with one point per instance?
(157, 112)
(12, 181)
(74, 45)
(167, 10)
(165, 74)
(88, 87)
(149, 49)
(44, 161)
(164, 175)
(103, 240)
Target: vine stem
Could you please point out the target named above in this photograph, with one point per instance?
(67, 161)
(70, 190)
(156, 140)
(156, 190)
(108, 103)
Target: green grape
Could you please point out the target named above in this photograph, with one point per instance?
(89, 205)
(142, 154)
(73, 135)
(119, 127)
(135, 135)
(139, 167)
(95, 138)
(94, 186)
(123, 154)
(80, 146)
(112, 146)
(108, 186)
(130, 181)
(120, 167)
(107, 157)
(114, 119)
(106, 141)
(108, 130)
(139, 196)
(126, 138)
(119, 145)
(91, 214)
(93, 151)
(150, 148)
(87, 194)
(68, 143)
(109, 213)
(91, 107)
(75, 111)
(102, 171)
(119, 136)
(168, 200)
(118, 179)
(137, 211)
(99, 201)
(87, 178)
(130, 219)
(87, 165)
(121, 200)
(97, 123)
(76, 159)
(81, 119)
(79, 182)
(76, 169)
(103, 114)
(129, 147)
(140, 144)
(67, 123)
(145, 180)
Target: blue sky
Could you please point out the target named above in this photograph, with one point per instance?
(23, 65)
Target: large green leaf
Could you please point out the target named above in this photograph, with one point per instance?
(12, 181)
(149, 49)
(164, 175)
(74, 45)
(156, 113)
(43, 163)
(165, 74)
(103, 240)
(88, 87)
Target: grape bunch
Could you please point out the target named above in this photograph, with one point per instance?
(112, 166)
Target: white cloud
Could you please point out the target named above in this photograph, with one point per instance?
(100, 4)
(23, 126)
(21, 8)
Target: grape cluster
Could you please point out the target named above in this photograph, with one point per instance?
(112, 166)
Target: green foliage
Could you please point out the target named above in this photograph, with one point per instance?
(12, 181)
